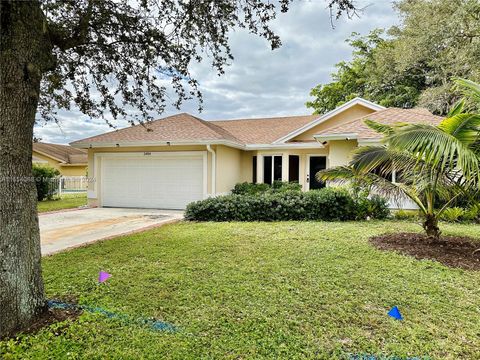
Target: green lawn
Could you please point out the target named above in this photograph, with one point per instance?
(66, 201)
(260, 290)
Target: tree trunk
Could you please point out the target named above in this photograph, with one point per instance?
(431, 226)
(24, 55)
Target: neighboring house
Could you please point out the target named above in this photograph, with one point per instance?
(70, 161)
(172, 161)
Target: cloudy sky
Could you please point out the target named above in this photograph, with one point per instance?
(260, 82)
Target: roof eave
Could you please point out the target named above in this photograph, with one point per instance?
(312, 145)
(75, 164)
(90, 145)
(62, 161)
(330, 137)
(369, 141)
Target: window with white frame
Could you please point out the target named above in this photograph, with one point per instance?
(272, 168)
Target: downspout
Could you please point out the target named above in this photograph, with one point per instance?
(214, 170)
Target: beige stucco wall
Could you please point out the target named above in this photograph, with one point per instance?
(64, 170)
(246, 174)
(94, 193)
(340, 152)
(50, 161)
(352, 113)
(73, 170)
(229, 168)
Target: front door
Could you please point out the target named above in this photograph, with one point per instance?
(317, 163)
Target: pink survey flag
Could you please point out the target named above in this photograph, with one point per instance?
(103, 276)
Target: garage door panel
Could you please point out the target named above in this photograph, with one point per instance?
(153, 182)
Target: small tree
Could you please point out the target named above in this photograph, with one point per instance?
(433, 164)
(44, 176)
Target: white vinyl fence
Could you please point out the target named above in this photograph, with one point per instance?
(68, 184)
(72, 184)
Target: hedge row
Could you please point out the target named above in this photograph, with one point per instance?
(247, 188)
(328, 204)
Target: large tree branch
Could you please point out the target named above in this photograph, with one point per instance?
(60, 37)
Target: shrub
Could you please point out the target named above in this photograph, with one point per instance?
(373, 207)
(43, 176)
(452, 214)
(325, 204)
(279, 186)
(471, 214)
(406, 214)
(246, 188)
(329, 204)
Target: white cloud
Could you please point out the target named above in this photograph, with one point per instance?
(260, 82)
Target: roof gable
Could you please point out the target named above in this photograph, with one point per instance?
(358, 129)
(64, 154)
(343, 117)
(325, 117)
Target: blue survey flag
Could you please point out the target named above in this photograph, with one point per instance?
(395, 313)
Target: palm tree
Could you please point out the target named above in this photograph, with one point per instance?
(433, 164)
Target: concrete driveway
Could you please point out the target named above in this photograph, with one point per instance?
(68, 229)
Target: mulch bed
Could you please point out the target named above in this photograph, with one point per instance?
(453, 251)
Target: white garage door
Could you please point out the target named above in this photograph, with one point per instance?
(168, 181)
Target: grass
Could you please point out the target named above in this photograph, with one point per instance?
(66, 201)
(287, 290)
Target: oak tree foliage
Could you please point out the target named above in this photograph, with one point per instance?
(122, 57)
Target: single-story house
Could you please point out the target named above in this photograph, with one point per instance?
(69, 161)
(170, 162)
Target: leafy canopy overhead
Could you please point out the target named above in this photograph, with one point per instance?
(111, 57)
(413, 64)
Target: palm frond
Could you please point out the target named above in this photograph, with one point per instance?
(412, 193)
(367, 158)
(379, 185)
(436, 147)
(378, 127)
(457, 108)
(465, 127)
(339, 173)
(382, 159)
(469, 89)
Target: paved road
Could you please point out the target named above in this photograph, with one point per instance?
(68, 229)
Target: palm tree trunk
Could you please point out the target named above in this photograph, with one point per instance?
(431, 226)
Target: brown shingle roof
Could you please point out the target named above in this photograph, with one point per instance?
(185, 127)
(388, 116)
(265, 130)
(64, 153)
(181, 127)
